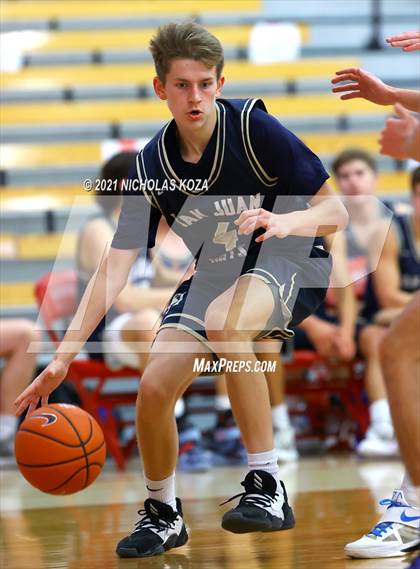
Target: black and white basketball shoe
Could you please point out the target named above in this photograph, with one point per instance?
(159, 529)
(261, 507)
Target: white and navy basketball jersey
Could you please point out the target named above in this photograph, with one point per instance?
(249, 162)
(408, 263)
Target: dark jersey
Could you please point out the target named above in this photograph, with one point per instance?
(408, 263)
(250, 161)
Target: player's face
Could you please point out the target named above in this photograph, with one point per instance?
(356, 178)
(191, 90)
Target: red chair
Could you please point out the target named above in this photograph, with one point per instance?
(322, 384)
(56, 295)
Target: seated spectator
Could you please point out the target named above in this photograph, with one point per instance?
(16, 334)
(124, 336)
(331, 331)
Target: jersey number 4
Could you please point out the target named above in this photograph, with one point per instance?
(224, 237)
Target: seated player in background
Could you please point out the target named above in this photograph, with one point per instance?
(136, 310)
(16, 334)
(330, 331)
(356, 175)
(135, 314)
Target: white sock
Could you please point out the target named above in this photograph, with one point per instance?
(162, 490)
(179, 408)
(379, 412)
(411, 493)
(222, 403)
(266, 461)
(280, 415)
(8, 425)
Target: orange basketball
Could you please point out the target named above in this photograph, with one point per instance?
(60, 449)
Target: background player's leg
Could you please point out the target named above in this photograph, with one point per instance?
(284, 434)
(164, 380)
(370, 338)
(15, 338)
(225, 439)
(380, 439)
(401, 364)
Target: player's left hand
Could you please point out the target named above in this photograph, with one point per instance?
(364, 85)
(276, 225)
(344, 345)
(408, 41)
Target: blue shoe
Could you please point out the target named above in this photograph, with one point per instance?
(396, 534)
(227, 447)
(192, 456)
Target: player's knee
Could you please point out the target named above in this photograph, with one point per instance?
(153, 397)
(28, 333)
(146, 319)
(141, 327)
(229, 332)
(392, 351)
(157, 394)
(370, 338)
(386, 348)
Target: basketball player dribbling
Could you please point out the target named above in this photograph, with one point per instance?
(219, 168)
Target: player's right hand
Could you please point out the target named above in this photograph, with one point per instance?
(41, 387)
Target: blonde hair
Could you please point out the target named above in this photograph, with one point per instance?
(187, 41)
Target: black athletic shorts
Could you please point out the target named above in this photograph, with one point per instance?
(298, 288)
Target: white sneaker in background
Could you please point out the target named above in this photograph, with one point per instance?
(379, 442)
(285, 445)
(396, 534)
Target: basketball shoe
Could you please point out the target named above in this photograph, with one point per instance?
(379, 442)
(261, 507)
(396, 534)
(161, 528)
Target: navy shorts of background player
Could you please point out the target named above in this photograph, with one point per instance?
(408, 265)
(250, 161)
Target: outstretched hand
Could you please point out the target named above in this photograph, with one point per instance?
(364, 85)
(41, 387)
(408, 41)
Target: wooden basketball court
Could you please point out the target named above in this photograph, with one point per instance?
(334, 500)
